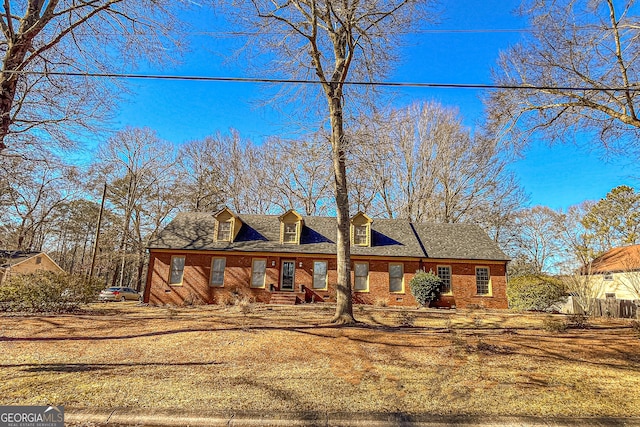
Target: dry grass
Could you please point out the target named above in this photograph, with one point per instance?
(285, 359)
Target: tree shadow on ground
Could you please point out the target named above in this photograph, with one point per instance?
(88, 367)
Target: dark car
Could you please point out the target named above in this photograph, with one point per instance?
(116, 293)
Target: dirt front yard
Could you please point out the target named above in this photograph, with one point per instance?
(285, 359)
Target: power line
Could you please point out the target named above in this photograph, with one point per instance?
(418, 31)
(316, 82)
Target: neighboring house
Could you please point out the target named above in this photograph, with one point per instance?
(616, 273)
(22, 262)
(204, 258)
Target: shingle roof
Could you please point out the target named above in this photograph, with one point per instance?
(9, 258)
(617, 259)
(458, 241)
(389, 237)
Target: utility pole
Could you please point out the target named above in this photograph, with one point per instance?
(95, 241)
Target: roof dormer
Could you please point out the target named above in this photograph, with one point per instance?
(291, 224)
(227, 225)
(361, 230)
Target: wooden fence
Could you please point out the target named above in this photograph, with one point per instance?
(609, 307)
(612, 307)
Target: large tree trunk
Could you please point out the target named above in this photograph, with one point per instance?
(13, 60)
(344, 306)
(7, 93)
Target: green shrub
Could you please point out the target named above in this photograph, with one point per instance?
(425, 287)
(535, 293)
(45, 291)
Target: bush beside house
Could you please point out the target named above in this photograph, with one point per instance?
(425, 287)
(534, 292)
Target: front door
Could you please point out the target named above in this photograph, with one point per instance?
(287, 275)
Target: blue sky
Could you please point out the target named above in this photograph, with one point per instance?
(180, 111)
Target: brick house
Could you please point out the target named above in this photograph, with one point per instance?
(24, 262)
(205, 258)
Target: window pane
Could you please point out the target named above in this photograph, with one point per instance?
(482, 280)
(395, 270)
(224, 231)
(360, 235)
(362, 269)
(361, 273)
(177, 268)
(395, 277)
(217, 271)
(445, 274)
(259, 268)
(219, 264)
(319, 274)
(361, 284)
(290, 233)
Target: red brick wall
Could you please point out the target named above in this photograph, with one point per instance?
(195, 284)
(463, 285)
(379, 284)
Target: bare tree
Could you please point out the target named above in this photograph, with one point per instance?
(389, 164)
(202, 177)
(578, 246)
(34, 191)
(537, 246)
(425, 165)
(249, 186)
(140, 172)
(582, 286)
(48, 45)
(332, 40)
(581, 64)
(72, 227)
(300, 173)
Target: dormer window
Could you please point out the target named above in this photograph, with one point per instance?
(290, 233)
(227, 226)
(360, 235)
(224, 231)
(361, 230)
(290, 227)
